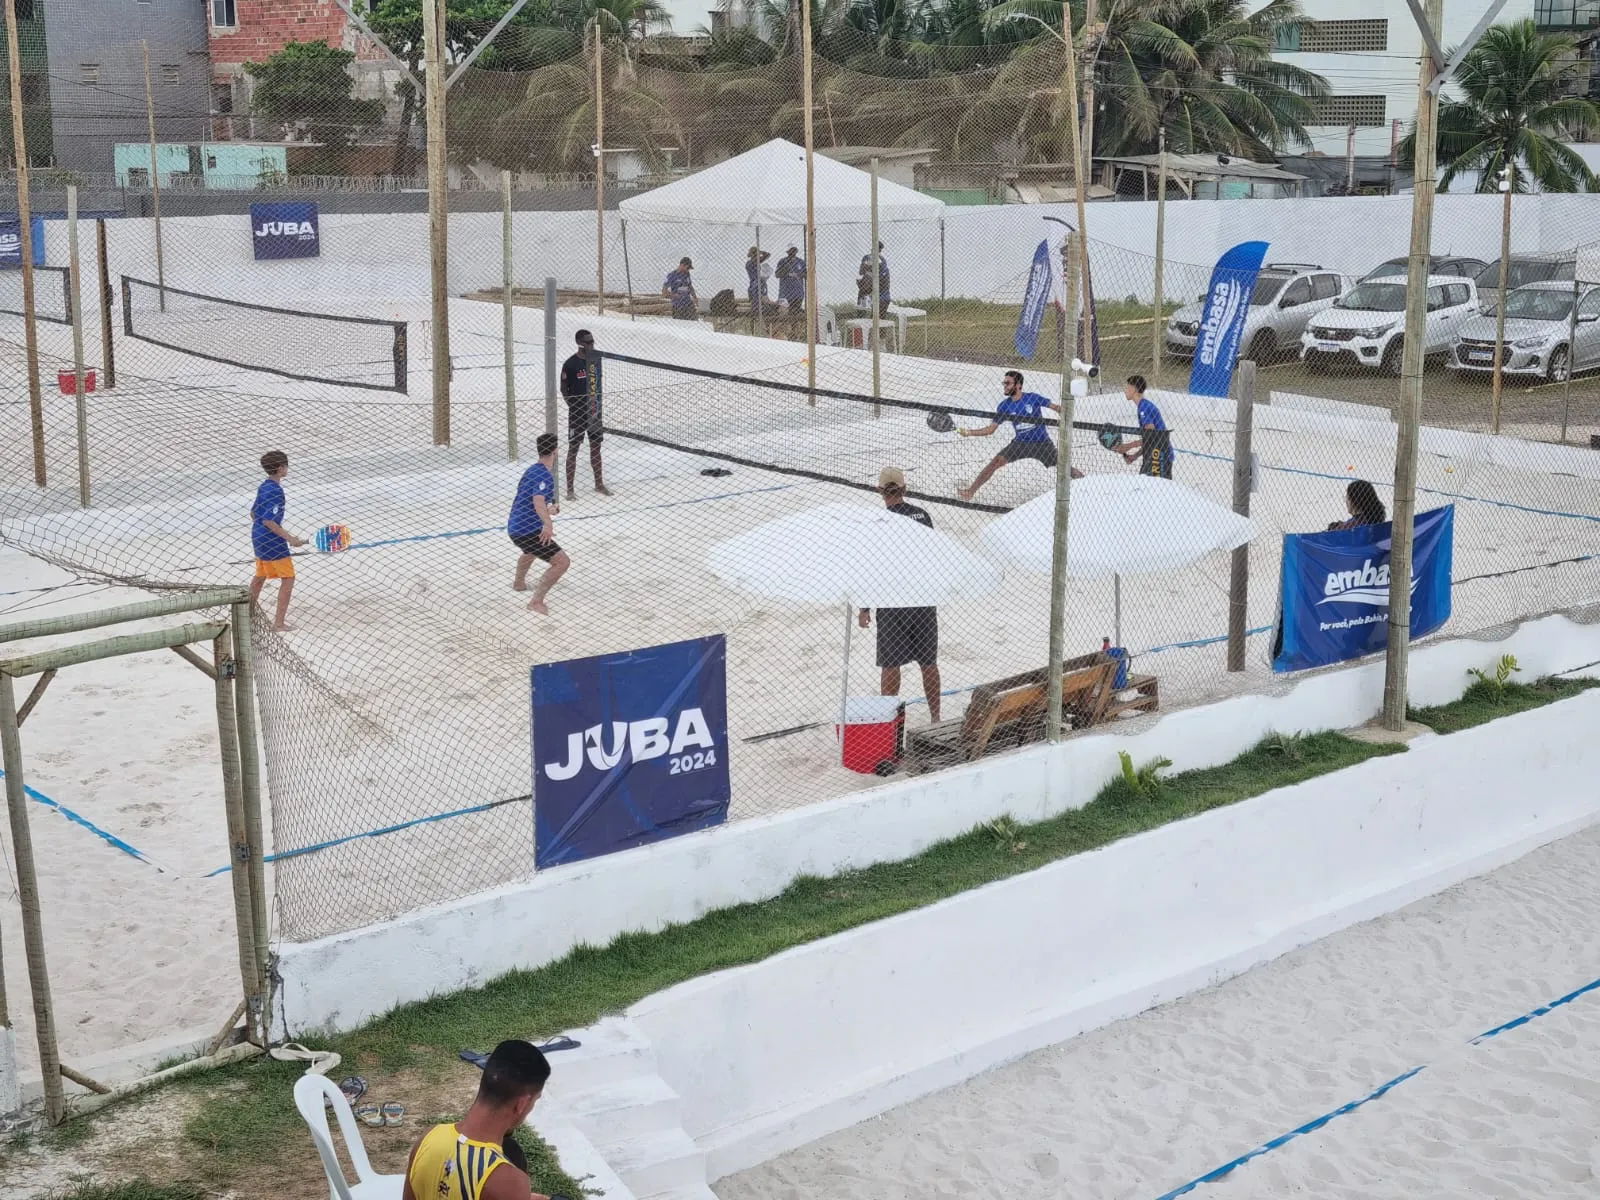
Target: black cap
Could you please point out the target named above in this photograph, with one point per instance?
(584, 337)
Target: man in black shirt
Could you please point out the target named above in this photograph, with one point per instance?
(905, 634)
(580, 387)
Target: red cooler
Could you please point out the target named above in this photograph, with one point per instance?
(870, 744)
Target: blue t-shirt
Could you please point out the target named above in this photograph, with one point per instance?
(1029, 404)
(1150, 416)
(792, 279)
(268, 507)
(535, 481)
(681, 288)
(1155, 442)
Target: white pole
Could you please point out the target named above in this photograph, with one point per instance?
(550, 366)
(876, 302)
(76, 299)
(505, 304)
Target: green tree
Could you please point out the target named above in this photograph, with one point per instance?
(308, 86)
(1514, 109)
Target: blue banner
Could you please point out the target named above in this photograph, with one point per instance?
(1222, 320)
(11, 242)
(629, 749)
(1334, 590)
(1041, 285)
(285, 229)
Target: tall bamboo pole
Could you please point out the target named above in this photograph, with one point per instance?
(599, 174)
(27, 877)
(810, 238)
(1409, 410)
(1083, 151)
(505, 315)
(19, 152)
(244, 704)
(438, 214)
(108, 351)
(1158, 305)
(1500, 308)
(1239, 566)
(75, 298)
(155, 178)
(233, 807)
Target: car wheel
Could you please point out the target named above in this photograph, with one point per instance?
(1560, 365)
(1394, 357)
(1263, 346)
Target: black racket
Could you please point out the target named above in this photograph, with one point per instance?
(940, 421)
(1110, 438)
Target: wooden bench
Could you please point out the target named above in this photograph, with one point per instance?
(1145, 698)
(1012, 712)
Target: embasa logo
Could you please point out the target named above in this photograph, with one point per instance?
(299, 229)
(1226, 298)
(645, 739)
(1369, 586)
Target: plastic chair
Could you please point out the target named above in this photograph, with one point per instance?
(312, 1093)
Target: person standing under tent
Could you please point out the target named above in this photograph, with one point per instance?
(1029, 438)
(758, 271)
(580, 387)
(791, 272)
(270, 540)
(531, 525)
(1154, 447)
(864, 283)
(680, 288)
(905, 635)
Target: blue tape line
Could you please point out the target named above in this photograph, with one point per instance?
(110, 839)
(1311, 1126)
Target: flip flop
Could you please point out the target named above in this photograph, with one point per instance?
(318, 1062)
(368, 1114)
(476, 1057)
(354, 1087)
(559, 1043)
(393, 1113)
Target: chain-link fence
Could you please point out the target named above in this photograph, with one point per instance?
(395, 716)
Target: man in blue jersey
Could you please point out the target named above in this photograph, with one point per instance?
(1154, 447)
(679, 287)
(791, 272)
(269, 539)
(531, 525)
(1029, 438)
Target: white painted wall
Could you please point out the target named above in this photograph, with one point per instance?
(340, 981)
(773, 1055)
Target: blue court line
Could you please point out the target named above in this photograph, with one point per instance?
(1319, 1122)
(110, 839)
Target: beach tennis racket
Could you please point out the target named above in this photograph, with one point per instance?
(940, 421)
(331, 539)
(1110, 438)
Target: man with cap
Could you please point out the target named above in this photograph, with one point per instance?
(791, 273)
(580, 387)
(680, 287)
(905, 635)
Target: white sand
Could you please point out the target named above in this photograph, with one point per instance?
(1147, 1104)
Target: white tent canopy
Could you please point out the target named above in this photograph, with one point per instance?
(767, 187)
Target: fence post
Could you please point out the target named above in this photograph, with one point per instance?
(19, 154)
(1239, 574)
(233, 805)
(244, 704)
(506, 321)
(1058, 544)
(108, 352)
(75, 302)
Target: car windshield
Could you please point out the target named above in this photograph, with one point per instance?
(1266, 290)
(1537, 304)
(1375, 297)
(1526, 271)
(1395, 266)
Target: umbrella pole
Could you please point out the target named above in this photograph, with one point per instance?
(1116, 610)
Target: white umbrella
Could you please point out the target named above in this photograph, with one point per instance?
(857, 555)
(1119, 525)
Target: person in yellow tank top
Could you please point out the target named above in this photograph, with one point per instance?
(467, 1160)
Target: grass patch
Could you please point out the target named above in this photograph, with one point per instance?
(138, 1189)
(248, 1121)
(1490, 697)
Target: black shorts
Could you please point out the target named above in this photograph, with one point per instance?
(908, 635)
(529, 543)
(581, 422)
(1043, 450)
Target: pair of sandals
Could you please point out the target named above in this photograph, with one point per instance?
(376, 1115)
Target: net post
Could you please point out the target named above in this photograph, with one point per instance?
(1239, 566)
(506, 321)
(550, 367)
(1058, 540)
(73, 298)
(19, 153)
(233, 805)
(155, 175)
(250, 797)
(107, 351)
(28, 890)
(877, 268)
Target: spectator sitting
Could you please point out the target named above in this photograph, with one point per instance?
(1361, 498)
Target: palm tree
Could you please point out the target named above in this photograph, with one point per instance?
(1513, 111)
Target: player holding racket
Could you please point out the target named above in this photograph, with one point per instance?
(531, 525)
(1029, 439)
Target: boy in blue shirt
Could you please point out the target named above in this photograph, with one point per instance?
(1154, 447)
(1028, 439)
(531, 525)
(269, 539)
(679, 287)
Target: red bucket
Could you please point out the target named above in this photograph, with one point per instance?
(68, 383)
(870, 744)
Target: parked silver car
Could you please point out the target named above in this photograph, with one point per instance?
(1540, 337)
(1286, 296)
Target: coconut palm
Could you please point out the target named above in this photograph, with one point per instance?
(1514, 107)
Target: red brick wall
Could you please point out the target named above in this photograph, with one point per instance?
(266, 26)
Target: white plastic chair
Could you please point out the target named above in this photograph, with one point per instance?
(312, 1093)
(827, 327)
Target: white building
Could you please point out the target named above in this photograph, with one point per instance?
(1370, 52)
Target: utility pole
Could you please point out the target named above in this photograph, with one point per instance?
(1083, 155)
(438, 214)
(1408, 414)
(599, 174)
(19, 152)
(1500, 308)
(811, 204)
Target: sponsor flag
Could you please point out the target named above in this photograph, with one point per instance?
(11, 242)
(1334, 590)
(285, 229)
(1222, 320)
(1034, 299)
(629, 749)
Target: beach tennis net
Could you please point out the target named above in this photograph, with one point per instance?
(52, 295)
(358, 352)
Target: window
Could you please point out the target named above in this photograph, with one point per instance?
(1299, 292)
(1435, 298)
(1367, 111)
(1547, 14)
(1343, 37)
(223, 14)
(89, 74)
(1455, 295)
(1325, 287)
(1286, 38)
(170, 75)
(1589, 306)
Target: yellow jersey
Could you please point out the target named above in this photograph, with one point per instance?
(450, 1166)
